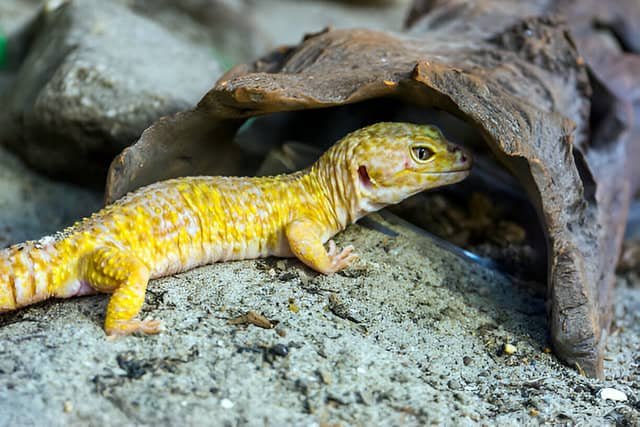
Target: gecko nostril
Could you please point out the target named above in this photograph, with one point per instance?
(463, 158)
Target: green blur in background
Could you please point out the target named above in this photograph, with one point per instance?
(3, 49)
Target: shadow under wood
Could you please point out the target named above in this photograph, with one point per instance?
(488, 214)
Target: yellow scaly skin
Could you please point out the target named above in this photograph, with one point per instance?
(176, 225)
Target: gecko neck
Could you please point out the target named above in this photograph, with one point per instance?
(336, 172)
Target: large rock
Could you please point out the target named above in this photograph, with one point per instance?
(96, 75)
(33, 206)
(227, 28)
(14, 14)
(239, 31)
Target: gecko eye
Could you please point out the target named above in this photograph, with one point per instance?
(421, 153)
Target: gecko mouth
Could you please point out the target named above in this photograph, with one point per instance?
(452, 172)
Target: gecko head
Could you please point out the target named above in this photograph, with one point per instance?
(397, 160)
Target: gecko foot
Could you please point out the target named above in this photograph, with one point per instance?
(128, 327)
(342, 259)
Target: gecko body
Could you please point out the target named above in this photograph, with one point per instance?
(178, 224)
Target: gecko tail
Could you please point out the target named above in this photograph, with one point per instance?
(24, 275)
(7, 283)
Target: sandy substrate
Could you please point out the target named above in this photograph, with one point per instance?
(409, 335)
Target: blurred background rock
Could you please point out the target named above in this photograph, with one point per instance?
(81, 79)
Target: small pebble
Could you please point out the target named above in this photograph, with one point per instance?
(253, 318)
(467, 360)
(609, 393)
(483, 291)
(67, 406)
(304, 278)
(292, 306)
(509, 349)
(226, 404)
(279, 350)
(454, 385)
(325, 376)
(365, 397)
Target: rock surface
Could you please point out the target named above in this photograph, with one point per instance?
(226, 28)
(14, 16)
(275, 17)
(15, 13)
(409, 335)
(242, 30)
(32, 206)
(95, 76)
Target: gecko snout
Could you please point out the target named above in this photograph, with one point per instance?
(463, 159)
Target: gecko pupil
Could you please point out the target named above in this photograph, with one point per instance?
(423, 153)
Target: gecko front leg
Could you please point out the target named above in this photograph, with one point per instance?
(305, 242)
(114, 271)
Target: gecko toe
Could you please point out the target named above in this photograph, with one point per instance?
(133, 326)
(343, 259)
(332, 248)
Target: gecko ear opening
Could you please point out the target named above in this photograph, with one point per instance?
(365, 180)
